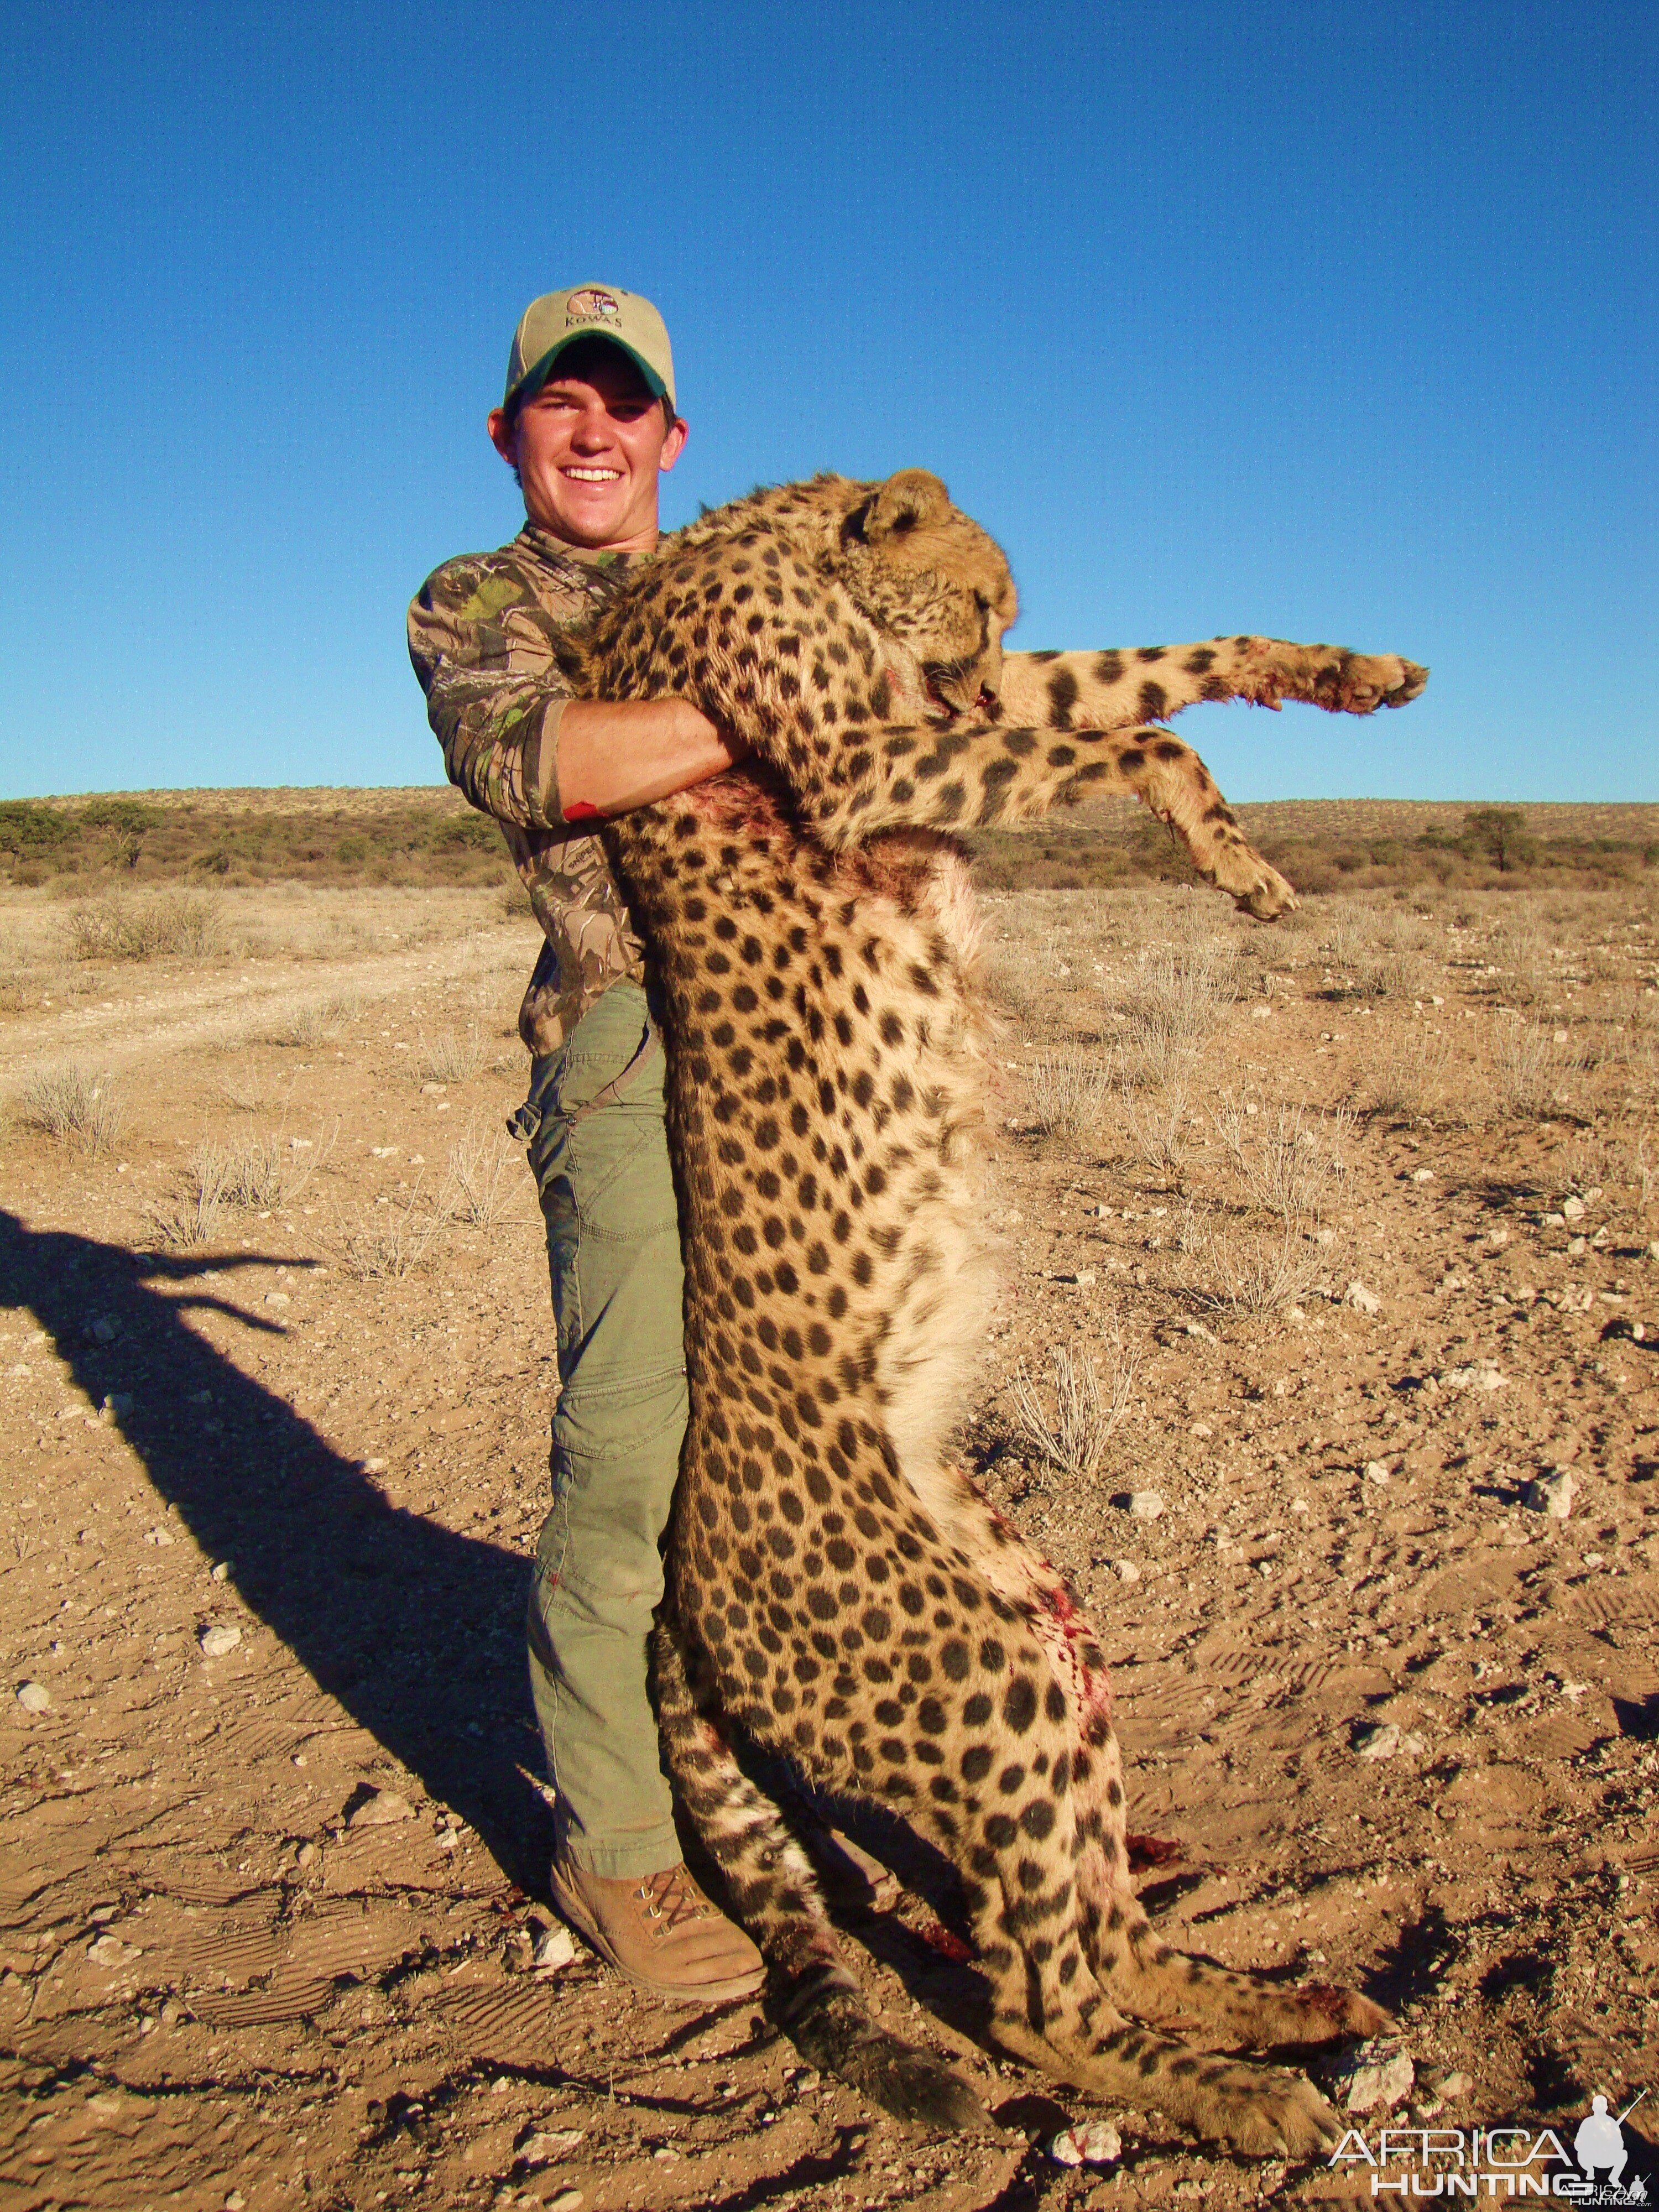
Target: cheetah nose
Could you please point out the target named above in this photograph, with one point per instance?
(987, 699)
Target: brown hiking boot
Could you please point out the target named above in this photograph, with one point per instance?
(660, 1931)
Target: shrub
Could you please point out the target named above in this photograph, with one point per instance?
(1530, 1068)
(449, 1057)
(74, 1103)
(1411, 1074)
(28, 829)
(1176, 1004)
(315, 1021)
(1074, 1438)
(484, 1177)
(1243, 1271)
(392, 1238)
(1068, 1095)
(178, 925)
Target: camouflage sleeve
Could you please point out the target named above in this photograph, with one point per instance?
(480, 640)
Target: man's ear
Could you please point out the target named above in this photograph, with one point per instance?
(504, 435)
(674, 443)
(911, 497)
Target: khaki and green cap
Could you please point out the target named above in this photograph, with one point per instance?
(559, 319)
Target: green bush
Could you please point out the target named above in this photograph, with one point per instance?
(131, 815)
(28, 828)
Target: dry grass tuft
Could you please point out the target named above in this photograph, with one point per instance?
(452, 1056)
(1069, 1090)
(393, 1238)
(252, 1174)
(1156, 1120)
(317, 1021)
(1070, 1426)
(484, 1176)
(1289, 1166)
(1530, 1069)
(173, 925)
(74, 1105)
(1176, 1002)
(1247, 1270)
(1411, 1075)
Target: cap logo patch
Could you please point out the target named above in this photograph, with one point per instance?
(591, 306)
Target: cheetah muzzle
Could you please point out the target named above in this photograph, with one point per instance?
(838, 1591)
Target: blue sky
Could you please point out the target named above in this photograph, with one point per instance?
(1334, 321)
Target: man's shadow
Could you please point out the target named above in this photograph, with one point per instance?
(416, 1631)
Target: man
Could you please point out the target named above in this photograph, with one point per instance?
(589, 425)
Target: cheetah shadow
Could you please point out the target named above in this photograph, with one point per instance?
(413, 1629)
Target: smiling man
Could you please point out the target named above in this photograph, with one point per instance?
(588, 422)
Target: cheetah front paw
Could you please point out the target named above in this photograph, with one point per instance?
(1360, 682)
(1255, 886)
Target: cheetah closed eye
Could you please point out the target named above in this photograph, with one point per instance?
(838, 1591)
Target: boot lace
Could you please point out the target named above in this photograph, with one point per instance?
(672, 1897)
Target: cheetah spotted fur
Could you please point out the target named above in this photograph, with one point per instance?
(838, 1592)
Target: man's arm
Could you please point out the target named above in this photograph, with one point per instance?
(612, 756)
(513, 741)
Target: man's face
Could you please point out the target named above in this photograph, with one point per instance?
(589, 448)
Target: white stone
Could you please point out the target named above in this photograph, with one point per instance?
(1126, 1570)
(1482, 1375)
(34, 1696)
(1422, 1175)
(1145, 1504)
(379, 1810)
(1361, 1299)
(1375, 2077)
(1095, 2144)
(111, 1951)
(543, 2145)
(277, 1298)
(556, 1949)
(1376, 1470)
(219, 1641)
(1550, 1493)
(1380, 1741)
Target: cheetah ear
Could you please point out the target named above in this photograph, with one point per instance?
(912, 496)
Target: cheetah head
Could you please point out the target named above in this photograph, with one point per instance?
(929, 576)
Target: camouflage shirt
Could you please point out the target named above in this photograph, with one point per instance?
(480, 636)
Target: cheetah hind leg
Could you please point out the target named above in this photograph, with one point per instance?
(813, 1998)
(1155, 1982)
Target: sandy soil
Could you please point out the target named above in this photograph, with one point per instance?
(269, 1918)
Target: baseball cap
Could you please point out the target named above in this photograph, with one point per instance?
(559, 319)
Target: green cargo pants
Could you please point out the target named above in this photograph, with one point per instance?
(613, 1246)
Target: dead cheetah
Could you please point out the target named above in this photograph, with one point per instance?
(838, 1591)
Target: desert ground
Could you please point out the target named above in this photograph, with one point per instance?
(1325, 1365)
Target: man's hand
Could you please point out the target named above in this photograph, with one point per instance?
(617, 754)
